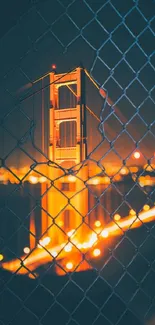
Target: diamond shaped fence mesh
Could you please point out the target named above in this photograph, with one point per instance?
(77, 169)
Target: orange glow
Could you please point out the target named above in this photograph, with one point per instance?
(96, 252)
(97, 223)
(71, 232)
(68, 247)
(40, 257)
(69, 265)
(44, 242)
(55, 200)
(85, 245)
(26, 250)
(133, 169)
(42, 179)
(6, 177)
(124, 171)
(92, 240)
(117, 217)
(33, 179)
(79, 246)
(94, 181)
(147, 177)
(130, 221)
(54, 254)
(104, 233)
(32, 276)
(136, 154)
(60, 223)
(54, 66)
(106, 180)
(116, 178)
(146, 181)
(71, 178)
(1, 257)
(132, 212)
(149, 167)
(146, 207)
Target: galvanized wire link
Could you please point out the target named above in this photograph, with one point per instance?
(102, 270)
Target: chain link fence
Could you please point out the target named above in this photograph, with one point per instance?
(107, 277)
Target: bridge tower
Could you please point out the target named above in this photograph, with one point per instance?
(67, 200)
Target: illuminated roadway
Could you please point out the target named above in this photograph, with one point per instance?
(46, 254)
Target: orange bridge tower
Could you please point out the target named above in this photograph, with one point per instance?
(67, 199)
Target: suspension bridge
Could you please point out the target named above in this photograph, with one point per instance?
(64, 177)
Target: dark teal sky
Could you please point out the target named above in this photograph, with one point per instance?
(113, 39)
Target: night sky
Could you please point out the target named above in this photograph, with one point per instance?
(114, 40)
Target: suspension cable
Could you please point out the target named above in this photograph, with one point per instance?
(42, 88)
(101, 90)
(91, 79)
(90, 111)
(46, 86)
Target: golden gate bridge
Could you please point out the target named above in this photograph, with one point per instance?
(65, 230)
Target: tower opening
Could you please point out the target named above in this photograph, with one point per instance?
(68, 132)
(67, 97)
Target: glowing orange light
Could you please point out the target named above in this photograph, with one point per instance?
(91, 242)
(68, 247)
(71, 232)
(44, 242)
(53, 66)
(133, 169)
(40, 257)
(96, 252)
(124, 171)
(97, 223)
(71, 178)
(54, 254)
(132, 212)
(42, 179)
(150, 167)
(85, 245)
(26, 250)
(60, 223)
(146, 207)
(95, 181)
(1, 257)
(136, 154)
(33, 179)
(117, 217)
(104, 233)
(106, 179)
(69, 265)
(131, 221)
(32, 276)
